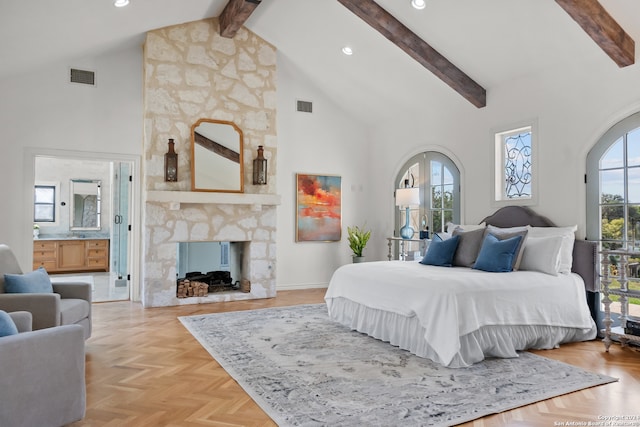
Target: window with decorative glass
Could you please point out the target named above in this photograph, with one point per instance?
(514, 166)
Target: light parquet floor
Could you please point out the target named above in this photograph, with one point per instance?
(145, 369)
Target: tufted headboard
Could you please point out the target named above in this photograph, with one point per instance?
(585, 253)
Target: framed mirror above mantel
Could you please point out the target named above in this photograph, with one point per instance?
(216, 156)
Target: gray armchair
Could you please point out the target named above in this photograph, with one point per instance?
(70, 303)
(42, 381)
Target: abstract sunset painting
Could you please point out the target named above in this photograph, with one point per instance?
(319, 210)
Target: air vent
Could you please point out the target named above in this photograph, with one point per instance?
(83, 77)
(304, 106)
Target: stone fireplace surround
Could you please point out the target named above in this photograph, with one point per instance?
(190, 73)
(174, 217)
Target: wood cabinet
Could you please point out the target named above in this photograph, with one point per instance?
(58, 256)
(97, 255)
(45, 254)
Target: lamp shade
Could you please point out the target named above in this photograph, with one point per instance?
(408, 196)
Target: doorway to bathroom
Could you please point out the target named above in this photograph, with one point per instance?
(85, 237)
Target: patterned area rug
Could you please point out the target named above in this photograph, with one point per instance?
(303, 369)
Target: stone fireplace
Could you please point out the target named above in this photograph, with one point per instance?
(193, 73)
(168, 224)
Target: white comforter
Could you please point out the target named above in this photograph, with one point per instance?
(452, 302)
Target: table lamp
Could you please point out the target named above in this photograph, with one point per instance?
(407, 197)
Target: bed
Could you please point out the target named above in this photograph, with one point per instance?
(458, 316)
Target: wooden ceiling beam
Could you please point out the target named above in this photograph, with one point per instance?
(234, 15)
(602, 28)
(382, 21)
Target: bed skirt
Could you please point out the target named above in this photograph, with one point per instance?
(489, 341)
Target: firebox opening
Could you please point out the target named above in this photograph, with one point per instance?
(208, 267)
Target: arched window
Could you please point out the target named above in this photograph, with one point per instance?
(613, 195)
(438, 179)
(613, 186)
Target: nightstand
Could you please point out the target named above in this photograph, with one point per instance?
(403, 248)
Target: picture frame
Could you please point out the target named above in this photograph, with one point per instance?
(318, 208)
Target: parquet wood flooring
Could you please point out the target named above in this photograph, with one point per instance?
(145, 369)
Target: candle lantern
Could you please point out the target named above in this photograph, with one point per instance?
(171, 163)
(260, 168)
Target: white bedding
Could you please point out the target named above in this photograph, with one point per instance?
(454, 313)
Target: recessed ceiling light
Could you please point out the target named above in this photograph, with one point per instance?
(120, 3)
(418, 4)
(347, 50)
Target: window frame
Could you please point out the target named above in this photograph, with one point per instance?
(423, 160)
(608, 139)
(55, 204)
(593, 192)
(499, 198)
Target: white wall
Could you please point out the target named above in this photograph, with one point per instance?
(40, 110)
(325, 142)
(573, 107)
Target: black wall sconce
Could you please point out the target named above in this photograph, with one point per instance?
(260, 168)
(171, 163)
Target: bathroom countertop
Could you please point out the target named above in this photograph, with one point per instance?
(72, 237)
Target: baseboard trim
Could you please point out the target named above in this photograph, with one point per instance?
(294, 286)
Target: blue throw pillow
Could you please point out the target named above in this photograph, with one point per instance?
(36, 282)
(7, 327)
(497, 255)
(441, 252)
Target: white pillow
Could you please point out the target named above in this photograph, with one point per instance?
(492, 228)
(465, 227)
(542, 254)
(568, 235)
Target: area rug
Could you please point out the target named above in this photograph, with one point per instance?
(303, 369)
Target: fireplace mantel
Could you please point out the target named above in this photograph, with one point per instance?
(175, 198)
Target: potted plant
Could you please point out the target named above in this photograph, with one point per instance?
(358, 238)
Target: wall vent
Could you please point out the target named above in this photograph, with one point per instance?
(83, 77)
(304, 106)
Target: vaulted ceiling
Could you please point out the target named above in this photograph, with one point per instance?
(483, 43)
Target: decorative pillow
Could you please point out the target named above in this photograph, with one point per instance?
(507, 233)
(468, 247)
(497, 255)
(441, 235)
(30, 283)
(542, 254)
(568, 235)
(441, 252)
(7, 327)
(466, 227)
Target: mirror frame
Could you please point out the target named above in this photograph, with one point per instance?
(72, 203)
(194, 166)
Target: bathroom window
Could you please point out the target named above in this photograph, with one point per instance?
(44, 203)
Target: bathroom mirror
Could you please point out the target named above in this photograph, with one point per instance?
(84, 204)
(216, 156)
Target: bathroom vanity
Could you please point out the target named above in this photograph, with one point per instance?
(71, 255)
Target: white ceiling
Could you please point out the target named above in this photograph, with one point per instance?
(492, 41)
